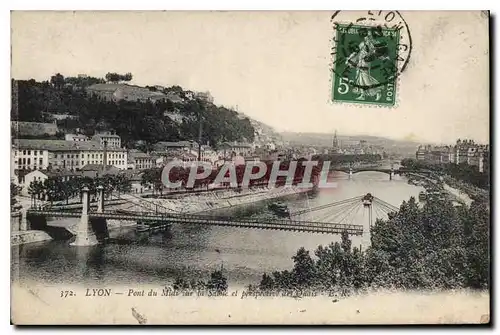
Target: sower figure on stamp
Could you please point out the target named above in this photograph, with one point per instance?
(366, 84)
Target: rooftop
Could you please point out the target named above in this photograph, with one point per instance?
(60, 145)
(106, 135)
(138, 154)
(236, 145)
(55, 173)
(179, 144)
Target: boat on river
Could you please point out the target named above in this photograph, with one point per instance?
(279, 209)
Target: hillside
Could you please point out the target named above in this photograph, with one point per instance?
(143, 115)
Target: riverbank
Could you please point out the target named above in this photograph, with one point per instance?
(211, 202)
(458, 191)
(459, 195)
(28, 236)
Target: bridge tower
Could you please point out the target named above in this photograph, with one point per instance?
(100, 199)
(23, 224)
(84, 235)
(367, 203)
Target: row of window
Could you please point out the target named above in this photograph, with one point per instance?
(76, 162)
(27, 161)
(28, 152)
(90, 156)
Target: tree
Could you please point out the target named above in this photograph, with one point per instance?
(438, 246)
(52, 188)
(35, 189)
(477, 221)
(123, 184)
(304, 271)
(112, 77)
(132, 120)
(267, 282)
(57, 80)
(14, 191)
(217, 282)
(127, 77)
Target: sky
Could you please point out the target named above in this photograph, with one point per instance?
(274, 66)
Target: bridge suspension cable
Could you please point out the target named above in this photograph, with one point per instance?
(149, 205)
(384, 204)
(338, 203)
(338, 212)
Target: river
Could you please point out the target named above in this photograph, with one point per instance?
(194, 251)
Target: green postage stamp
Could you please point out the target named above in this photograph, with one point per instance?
(365, 69)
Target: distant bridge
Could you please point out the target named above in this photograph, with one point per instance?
(391, 172)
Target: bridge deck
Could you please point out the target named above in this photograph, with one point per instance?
(275, 224)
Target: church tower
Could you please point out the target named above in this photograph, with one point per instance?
(335, 144)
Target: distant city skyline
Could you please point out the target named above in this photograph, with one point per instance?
(273, 66)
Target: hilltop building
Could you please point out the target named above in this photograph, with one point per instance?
(117, 92)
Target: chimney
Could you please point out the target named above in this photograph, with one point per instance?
(105, 154)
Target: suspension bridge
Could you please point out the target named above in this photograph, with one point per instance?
(331, 218)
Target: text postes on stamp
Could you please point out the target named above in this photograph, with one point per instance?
(368, 56)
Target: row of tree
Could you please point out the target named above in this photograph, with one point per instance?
(217, 283)
(114, 77)
(463, 171)
(438, 246)
(56, 189)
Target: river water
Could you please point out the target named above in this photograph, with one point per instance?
(195, 251)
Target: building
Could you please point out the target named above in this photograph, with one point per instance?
(421, 153)
(65, 155)
(463, 152)
(208, 154)
(235, 148)
(336, 144)
(112, 140)
(179, 145)
(95, 170)
(138, 160)
(206, 96)
(20, 129)
(76, 137)
(117, 92)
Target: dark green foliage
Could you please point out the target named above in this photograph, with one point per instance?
(14, 191)
(435, 247)
(216, 284)
(132, 120)
(56, 189)
(116, 77)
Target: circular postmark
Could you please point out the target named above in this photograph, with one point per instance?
(370, 49)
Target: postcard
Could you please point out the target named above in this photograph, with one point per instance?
(250, 167)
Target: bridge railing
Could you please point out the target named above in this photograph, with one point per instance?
(208, 218)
